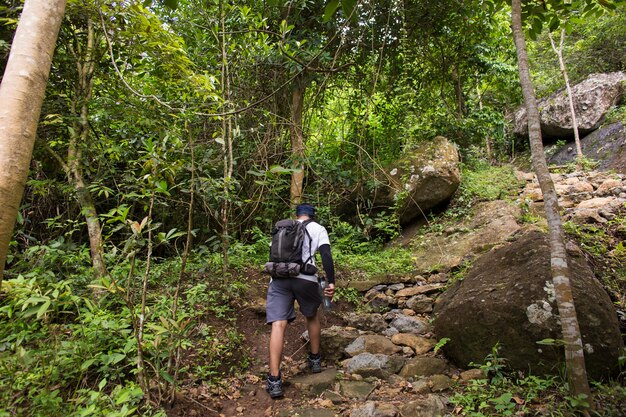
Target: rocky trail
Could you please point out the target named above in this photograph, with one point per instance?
(383, 359)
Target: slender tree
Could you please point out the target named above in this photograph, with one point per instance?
(21, 94)
(574, 355)
(559, 53)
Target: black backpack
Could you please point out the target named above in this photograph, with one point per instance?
(286, 250)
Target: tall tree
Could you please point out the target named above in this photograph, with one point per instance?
(21, 94)
(574, 354)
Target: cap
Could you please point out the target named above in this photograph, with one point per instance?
(305, 210)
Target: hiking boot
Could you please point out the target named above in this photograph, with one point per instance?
(315, 363)
(274, 388)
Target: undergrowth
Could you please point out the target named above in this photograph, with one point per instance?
(506, 393)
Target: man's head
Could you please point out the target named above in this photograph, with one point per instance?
(305, 210)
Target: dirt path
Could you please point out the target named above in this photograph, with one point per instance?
(245, 395)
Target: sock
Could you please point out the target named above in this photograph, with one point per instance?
(314, 355)
(273, 378)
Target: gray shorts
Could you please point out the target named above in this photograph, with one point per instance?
(282, 293)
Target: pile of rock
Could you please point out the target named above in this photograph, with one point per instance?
(591, 197)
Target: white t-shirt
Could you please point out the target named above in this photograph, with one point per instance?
(318, 236)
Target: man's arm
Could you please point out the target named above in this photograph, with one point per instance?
(329, 268)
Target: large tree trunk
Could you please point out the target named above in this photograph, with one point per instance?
(21, 94)
(574, 356)
(297, 142)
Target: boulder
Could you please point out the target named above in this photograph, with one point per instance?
(372, 409)
(431, 406)
(419, 344)
(335, 339)
(426, 178)
(372, 344)
(376, 365)
(424, 366)
(507, 298)
(593, 98)
(409, 324)
(373, 322)
(316, 383)
(606, 145)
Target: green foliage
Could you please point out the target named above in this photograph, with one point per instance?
(505, 394)
(351, 295)
(483, 183)
(376, 262)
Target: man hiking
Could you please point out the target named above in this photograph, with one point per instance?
(282, 293)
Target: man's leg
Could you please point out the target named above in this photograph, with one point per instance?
(277, 339)
(315, 332)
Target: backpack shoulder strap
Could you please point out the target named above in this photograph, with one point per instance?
(305, 224)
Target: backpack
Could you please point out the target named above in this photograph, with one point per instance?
(286, 250)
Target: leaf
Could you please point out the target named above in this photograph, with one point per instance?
(169, 378)
(330, 10)
(43, 309)
(277, 169)
(172, 4)
(87, 364)
(348, 6)
(219, 140)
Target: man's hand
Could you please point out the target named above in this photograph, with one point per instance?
(329, 291)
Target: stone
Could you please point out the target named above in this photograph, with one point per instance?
(372, 409)
(334, 341)
(372, 344)
(396, 287)
(369, 322)
(376, 365)
(407, 324)
(423, 366)
(420, 289)
(333, 397)
(420, 304)
(438, 383)
(472, 374)
(316, 383)
(593, 97)
(307, 412)
(607, 187)
(431, 406)
(359, 390)
(421, 386)
(390, 332)
(419, 344)
(507, 298)
(424, 179)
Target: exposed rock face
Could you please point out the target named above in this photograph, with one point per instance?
(423, 180)
(492, 223)
(508, 298)
(593, 98)
(606, 145)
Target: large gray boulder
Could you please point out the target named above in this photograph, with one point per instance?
(606, 145)
(507, 298)
(593, 98)
(426, 178)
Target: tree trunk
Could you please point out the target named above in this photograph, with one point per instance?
(297, 142)
(559, 53)
(85, 66)
(574, 355)
(21, 94)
